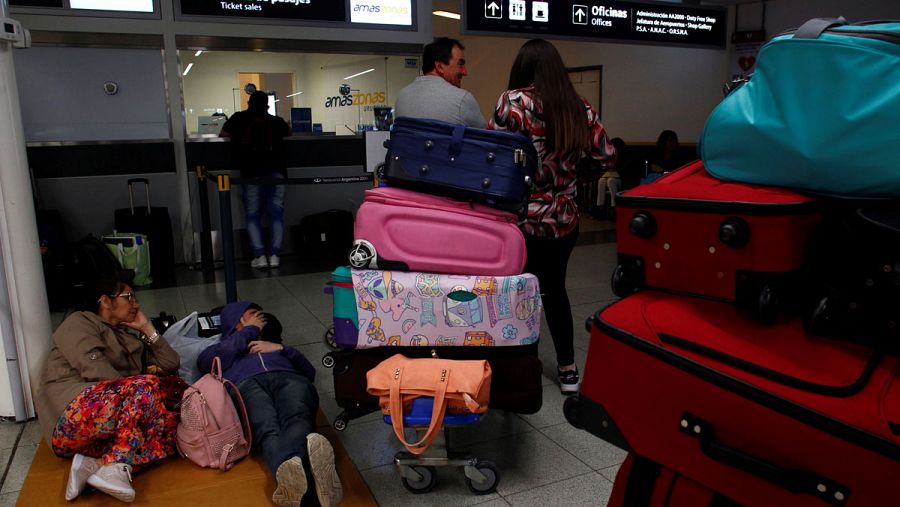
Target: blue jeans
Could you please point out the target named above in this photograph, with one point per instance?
(273, 197)
(281, 406)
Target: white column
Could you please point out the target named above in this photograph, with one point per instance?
(23, 306)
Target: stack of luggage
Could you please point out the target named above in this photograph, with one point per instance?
(436, 265)
(753, 358)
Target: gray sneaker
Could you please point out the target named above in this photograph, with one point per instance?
(324, 472)
(259, 262)
(114, 479)
(274, 261)
(291, 483)
(82, 468)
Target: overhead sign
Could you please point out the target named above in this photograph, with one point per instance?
(311, 10)
(381, 12)
(36, 3)
(661, 23)
(113, 5)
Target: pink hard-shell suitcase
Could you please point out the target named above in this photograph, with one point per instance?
(402, 230)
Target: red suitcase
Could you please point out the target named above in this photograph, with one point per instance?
(765, 415)
(643, 483)
(690, 233)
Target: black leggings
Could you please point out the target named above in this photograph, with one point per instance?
(548, 259)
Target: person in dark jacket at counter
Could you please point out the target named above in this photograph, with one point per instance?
(276, 384)
(257, 150)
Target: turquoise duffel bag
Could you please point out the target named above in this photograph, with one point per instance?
(820, 114)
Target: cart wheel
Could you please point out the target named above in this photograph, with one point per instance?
(572, 411)
(362, 255)
(768, 305)
(340, 422)
(621, 284)
(491, 476)
(429, 479)
(328, 338)
(328, 360)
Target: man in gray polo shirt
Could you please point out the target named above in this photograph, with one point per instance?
(436, 94)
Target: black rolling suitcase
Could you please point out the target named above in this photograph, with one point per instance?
(515, 386)
(154, 222)
(326, 236)
(857, 274)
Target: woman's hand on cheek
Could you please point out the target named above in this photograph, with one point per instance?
(140, 323)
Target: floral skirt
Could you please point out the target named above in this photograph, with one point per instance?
(128, 420)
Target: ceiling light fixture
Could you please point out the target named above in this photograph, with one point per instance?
(199, 52)
(360, 73)
(188, 69)
(446, 14)
(293, 94)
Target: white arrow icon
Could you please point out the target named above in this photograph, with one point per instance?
(496, 11)
(579, 14)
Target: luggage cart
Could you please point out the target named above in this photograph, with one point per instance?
(418, 473)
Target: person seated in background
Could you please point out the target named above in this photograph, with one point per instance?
(276, 384)
(107, 397)
(665, 157)
(612, 178)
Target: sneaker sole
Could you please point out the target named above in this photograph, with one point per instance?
(291, 483)
(569, 389)
(321, 459)
(110, 489)
(72, 487)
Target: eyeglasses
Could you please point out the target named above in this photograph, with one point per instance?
(129, 296)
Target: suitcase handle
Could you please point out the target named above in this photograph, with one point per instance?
(794, 480)
(132, 181)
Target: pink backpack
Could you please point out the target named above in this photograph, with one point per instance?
(210, 432)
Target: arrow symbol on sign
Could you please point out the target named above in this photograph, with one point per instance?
(579, 14)
(493, 7)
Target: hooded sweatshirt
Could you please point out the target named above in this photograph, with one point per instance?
(237, 362)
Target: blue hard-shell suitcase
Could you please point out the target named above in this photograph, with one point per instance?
(436, 157)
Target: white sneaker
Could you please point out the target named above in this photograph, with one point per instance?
(324, 472)
(114, 479)
(274, 261)
(259, 262)
(82, 468)
(291, 483)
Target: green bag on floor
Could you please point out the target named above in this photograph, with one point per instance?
(133, 252)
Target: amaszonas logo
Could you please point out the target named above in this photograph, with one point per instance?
(380, 9)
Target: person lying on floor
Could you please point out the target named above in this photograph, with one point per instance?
(276, 383)
(99, 402)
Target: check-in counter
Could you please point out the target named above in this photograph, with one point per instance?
(327, 172)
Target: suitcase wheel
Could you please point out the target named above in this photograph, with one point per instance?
(734, 232)
(821, 317)
(491, 479)
(425, 483)
(768, 305)
(624, 282)
(362, 255)
(328, 338)
(341, 421)
(328, 360)
(642, 225)
(572, 411)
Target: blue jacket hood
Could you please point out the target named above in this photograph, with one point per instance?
(231, 315)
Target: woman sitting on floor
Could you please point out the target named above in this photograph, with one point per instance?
(106, 398)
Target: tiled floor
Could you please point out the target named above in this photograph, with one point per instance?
(542, 459)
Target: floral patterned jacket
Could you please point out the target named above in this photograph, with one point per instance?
(552, 212)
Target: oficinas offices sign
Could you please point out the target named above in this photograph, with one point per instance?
(312, 10)
(658, 23)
